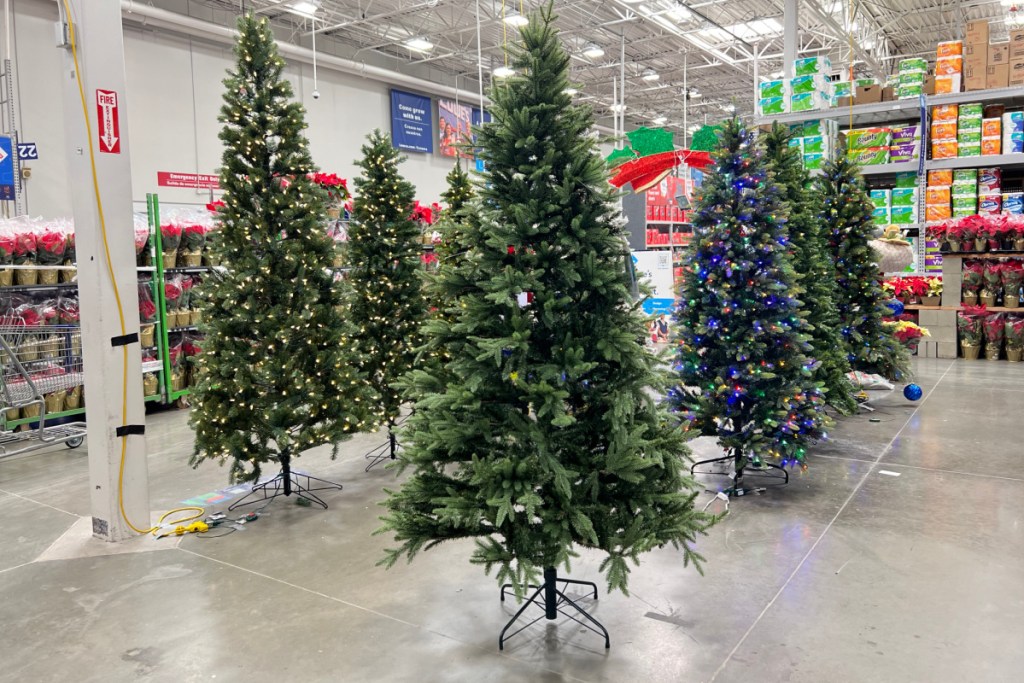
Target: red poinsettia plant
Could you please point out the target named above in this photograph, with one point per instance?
(170, 237)
(8, 245)
(995, 328)
(424, 214)
(30, 317)
(214, 207)
(335, 186)
(25, 248)
(195, 237)
(68, 313)
(172, 294)
(51, 246)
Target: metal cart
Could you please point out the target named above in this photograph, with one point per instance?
(40, 367)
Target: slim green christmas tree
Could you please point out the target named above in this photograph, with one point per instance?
(277, 377)
(542, 432)
(847, 213)
(812, 264)
(743, 370)
(388, 305)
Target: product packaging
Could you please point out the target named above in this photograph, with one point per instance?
(909, 92)
(881, 215)
(808, 84)
(813, 161)
(771, 89)
(904, 215)
(912, 65)
(944, 130)
(906, 179)
(969, 137)
(811, 101)
(937, 212)
(865, 138)
(944, 177)
(965, 204)
(947, 84)
(991, 146)
(809, 66)
(949, 66)
(991, 128)
(965, 176)
(972, 149)
(773, 105)
(843, 89)
(904, 134)
(1013, 202)
(937, 195)
(948, 48)
(968, 124)
(989, 204)
(903, 153)
(817, 144)
(798, 143)
(1013, 122)
(944, 112)
(904, 196)
(881, 198)
(971, 109)
(871, 156)
(990, 180)
(1013, 143)
(944, 149)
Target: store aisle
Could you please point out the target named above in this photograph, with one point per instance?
(897, 557)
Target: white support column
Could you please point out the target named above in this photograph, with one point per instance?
(100, 151)
(790, 36)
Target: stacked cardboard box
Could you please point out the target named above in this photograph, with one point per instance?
(975, 62)
(997, 74)
(1015, 72)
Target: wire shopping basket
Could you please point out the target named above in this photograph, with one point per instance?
(40, 373)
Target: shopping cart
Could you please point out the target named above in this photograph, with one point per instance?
(40, 374)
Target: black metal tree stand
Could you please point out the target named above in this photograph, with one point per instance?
(555, 602)
(285, 483)
(385, 451)
(770, 473)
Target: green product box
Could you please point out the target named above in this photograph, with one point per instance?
(904, 215)
(969, 150)
(914, 64)
(908, 179)
(963, 213)
(808, 101)
(968, 125)
(968, 137)
(912, 78)
(965, 175)
(813, 161)
(809, 66)
(770, 89)
(843, 89)
(819, 127)
(971, 110)
(964, 190)
(909, 92)
(797, 142)
(865, 82)
(865, 138)
(881, 198)
(904, 196)
(772, 105)
(966, 204)
(817, 144)
(871, 156)
(881, 215)
(807, 84)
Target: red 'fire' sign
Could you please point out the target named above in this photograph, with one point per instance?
(107, 120)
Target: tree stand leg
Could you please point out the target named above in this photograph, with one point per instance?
(773, 474)
(553, 603)
(285, 483)
(385, 451)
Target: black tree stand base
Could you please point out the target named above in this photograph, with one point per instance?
(384, 452)
(287, 483)
(553, 602)
(768, 474)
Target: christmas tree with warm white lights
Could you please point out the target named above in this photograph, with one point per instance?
(388, 306)
(277, 373)
(743, 367)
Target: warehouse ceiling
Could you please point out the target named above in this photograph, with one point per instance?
(715, 49)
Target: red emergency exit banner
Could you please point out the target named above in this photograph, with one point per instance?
(197, 181)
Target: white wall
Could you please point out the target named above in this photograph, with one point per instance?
(174, 96)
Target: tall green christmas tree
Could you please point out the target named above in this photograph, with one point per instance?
(743, 369)
(812, 263)
(277, 376)
(542, 433)
(847, 213)
(388, 305)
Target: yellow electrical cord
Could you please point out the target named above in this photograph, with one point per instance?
(117, 295)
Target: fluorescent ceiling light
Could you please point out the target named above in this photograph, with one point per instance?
(650, 75)
(694, 94)
(305, 8)
(730, 108)
(593, 51)
(632, 2)
(777, 74)
(516, 19)
(659, 121)
(503, 72)
(571, 92)
(419, 44)
(617, 108)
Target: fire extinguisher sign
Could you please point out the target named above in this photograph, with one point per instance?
(107, 116)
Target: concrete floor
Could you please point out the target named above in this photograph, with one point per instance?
(899, 556)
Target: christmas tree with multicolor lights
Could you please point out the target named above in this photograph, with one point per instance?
(813, 268)
(542, 434)
(860, 300)
(388, 306)
(277, 374)
(744, 374)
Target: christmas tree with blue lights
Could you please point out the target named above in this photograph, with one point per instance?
(542, 433)
(860, 300)
(812, 264)
(743, 370)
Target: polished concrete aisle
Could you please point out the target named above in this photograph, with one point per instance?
(898, 557)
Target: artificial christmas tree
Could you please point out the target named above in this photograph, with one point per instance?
(812, 264)
(277, 375)
(846, 212)
(743, 369)
(543, 433)
(388, 306)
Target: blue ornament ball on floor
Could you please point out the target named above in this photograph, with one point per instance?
(912, 392)
(897, 306)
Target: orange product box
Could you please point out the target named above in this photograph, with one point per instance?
(991, 146)
(937, 194)
(937, 212)
(948, 66)
(940, 178)
(945, 112)
(947, 84)
(991, 128)
(944, 130)
(949, 48)
(944, 149)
